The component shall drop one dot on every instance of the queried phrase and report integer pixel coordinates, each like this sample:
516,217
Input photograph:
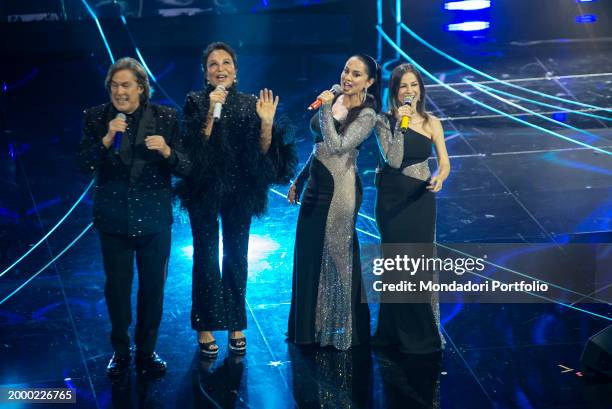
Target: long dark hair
373,99
394,85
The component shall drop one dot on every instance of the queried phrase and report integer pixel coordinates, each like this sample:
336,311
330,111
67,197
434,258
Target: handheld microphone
317,104
118,135
218,105
406,119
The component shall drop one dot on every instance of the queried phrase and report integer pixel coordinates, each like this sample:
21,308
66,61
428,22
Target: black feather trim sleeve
229,167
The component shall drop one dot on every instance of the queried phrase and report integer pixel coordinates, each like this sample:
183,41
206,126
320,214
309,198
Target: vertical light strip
379,21
146,67
144,64
93,15
398,27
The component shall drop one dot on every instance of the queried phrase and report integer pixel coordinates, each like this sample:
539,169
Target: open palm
266,105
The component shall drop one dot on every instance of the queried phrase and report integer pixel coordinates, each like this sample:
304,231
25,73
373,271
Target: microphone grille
121,115
336,89
221,87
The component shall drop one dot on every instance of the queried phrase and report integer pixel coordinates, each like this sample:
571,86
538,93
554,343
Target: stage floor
508,184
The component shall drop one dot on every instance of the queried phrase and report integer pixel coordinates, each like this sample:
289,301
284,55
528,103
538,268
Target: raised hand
266,106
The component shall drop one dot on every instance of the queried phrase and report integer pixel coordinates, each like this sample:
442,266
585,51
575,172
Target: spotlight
560,116
586,19
468,5
469,26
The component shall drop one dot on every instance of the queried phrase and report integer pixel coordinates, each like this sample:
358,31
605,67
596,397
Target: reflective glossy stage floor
508,184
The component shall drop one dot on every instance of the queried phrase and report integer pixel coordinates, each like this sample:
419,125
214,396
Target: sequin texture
229,182
132,194
391,145
338,153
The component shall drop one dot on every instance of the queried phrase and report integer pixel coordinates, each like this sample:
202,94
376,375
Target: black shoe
118,365
238,345
209,349
150,363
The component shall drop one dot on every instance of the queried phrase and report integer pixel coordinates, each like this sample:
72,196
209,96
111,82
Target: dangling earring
365,95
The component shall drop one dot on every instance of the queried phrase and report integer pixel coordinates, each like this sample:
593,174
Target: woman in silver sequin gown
326,304
406,204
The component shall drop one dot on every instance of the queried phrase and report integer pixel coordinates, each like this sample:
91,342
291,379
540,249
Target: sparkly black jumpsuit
230,181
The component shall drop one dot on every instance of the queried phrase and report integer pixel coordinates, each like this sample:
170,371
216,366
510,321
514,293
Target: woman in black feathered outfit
235,160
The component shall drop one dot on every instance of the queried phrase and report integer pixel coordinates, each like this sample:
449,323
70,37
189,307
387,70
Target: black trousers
218,301
152,253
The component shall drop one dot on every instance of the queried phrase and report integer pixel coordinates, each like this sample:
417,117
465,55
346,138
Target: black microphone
317,104
118,135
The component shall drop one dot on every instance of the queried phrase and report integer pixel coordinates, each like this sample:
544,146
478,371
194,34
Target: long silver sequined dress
326,306
405,213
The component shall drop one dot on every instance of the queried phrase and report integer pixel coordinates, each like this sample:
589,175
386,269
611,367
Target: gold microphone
406,119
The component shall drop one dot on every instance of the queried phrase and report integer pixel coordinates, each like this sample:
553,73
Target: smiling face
355,77
220,69
409,86
125,91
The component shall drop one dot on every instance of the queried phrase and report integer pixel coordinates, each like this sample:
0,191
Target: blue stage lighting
469,26
586,18
93,15
585,1
560,116
477,102
468,5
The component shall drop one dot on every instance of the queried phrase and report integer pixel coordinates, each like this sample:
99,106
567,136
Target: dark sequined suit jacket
133,192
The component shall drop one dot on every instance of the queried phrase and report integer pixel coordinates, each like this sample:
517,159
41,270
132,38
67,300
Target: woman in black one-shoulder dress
406,204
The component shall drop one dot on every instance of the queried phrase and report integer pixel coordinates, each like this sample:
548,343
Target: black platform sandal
237,345
209,349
